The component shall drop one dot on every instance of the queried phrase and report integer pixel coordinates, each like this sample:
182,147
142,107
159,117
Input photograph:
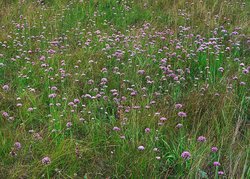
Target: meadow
124,89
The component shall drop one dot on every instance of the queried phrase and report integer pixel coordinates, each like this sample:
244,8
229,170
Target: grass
87,83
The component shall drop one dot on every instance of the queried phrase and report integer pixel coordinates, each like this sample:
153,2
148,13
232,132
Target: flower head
201,139
141,147
46,160
147,130
6,87
216,164
182,114
17,145
185,155
69,124
220,173
214,149
116,128
178,106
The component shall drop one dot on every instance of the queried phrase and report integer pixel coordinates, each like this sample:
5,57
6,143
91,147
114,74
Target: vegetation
124,89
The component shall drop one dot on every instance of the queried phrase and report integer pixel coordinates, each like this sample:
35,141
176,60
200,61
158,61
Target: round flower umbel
220,173
216,164
186,155
178,106
69,124
147,130
182,114
141,147
6,87
201,139
116,128
214,149
46,160
17,145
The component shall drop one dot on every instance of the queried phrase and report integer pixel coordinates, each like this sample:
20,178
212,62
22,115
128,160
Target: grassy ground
124,89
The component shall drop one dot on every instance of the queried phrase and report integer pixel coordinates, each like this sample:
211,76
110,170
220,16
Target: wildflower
30,109
42,58
141,72
214,149
216,164
19,104
46,160
51,51
69,124
178,106
17,145
5,114
6,87
220,173
185,155
53,95
179,126
53,88
116,129
201,139
133,93
76,101
155,150
158,157
182,114
242,83
221,69
245,71
163,119
147,130
141,147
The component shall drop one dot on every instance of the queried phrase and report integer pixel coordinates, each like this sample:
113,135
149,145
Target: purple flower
141,72
18,145
163,119
242,83
179,126
220,173
147,130
116,128
51,51
182,114
30,109
185,155
6,87
221,69
42,58
178,106
76,100
133,93
53,95
5,114
201,139
46,160
19,104
245,71
141,148
216,164
214,149
69,124
53,88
